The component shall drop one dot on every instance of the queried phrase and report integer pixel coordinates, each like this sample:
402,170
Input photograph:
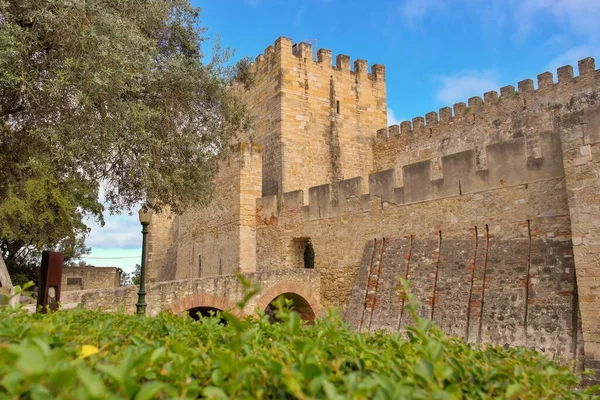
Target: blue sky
436,53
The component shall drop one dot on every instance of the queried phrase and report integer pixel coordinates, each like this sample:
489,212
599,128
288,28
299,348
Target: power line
109,258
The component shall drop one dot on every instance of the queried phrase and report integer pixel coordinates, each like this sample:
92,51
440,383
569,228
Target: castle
491,208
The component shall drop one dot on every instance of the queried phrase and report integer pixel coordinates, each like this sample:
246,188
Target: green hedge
169,356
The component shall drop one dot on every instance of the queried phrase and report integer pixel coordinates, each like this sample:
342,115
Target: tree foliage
111,94
131,278
136,276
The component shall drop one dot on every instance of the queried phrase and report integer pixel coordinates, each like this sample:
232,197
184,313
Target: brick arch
291,287
204,300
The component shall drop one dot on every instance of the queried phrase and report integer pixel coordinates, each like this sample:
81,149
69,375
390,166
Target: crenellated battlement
508,165
508,100
284,47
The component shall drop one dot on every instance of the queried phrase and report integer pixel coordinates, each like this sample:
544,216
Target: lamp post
145,215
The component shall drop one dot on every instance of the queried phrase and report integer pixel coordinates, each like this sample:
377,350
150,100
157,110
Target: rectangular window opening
337,106
74,281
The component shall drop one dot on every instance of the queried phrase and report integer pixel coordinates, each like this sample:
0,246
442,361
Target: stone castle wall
160,251
526,112
77,278
215,239
263,99
491,209
580,135
446,260
475,208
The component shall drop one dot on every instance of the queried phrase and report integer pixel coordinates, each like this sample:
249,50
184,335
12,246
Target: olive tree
111,94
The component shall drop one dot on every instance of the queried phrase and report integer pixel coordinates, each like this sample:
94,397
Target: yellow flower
88,350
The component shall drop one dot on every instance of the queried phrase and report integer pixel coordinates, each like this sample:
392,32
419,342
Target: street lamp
145,215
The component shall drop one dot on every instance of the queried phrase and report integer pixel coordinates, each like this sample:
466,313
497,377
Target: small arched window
309,255
302,253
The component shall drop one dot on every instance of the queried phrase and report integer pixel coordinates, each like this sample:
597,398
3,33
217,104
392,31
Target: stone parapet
284,46
510,99
507,165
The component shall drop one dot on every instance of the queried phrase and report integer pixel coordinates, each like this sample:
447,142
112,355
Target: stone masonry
215,240
220,292
78,278
491,209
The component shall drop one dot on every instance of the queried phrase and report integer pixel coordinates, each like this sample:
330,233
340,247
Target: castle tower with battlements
315,120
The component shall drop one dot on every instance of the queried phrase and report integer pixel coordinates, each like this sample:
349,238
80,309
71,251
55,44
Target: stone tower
315,120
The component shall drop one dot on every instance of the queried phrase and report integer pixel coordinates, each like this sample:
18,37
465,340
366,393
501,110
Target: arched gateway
203,303
303,299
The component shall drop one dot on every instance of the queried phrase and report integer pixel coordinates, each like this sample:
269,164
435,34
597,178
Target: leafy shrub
82,354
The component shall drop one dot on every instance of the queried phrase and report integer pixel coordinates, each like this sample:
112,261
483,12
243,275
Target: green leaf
12,381
512,390
436,350
149,390
91,382
31,360
217,376
294,322
212,392
331,392
234,321
311,371
127,363
424,369
157,354
112,371
40,393
248,335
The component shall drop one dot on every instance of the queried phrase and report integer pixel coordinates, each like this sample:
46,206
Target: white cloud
572,56
391,118
117,244
574,16
119,232
579,16
415,10
465,84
